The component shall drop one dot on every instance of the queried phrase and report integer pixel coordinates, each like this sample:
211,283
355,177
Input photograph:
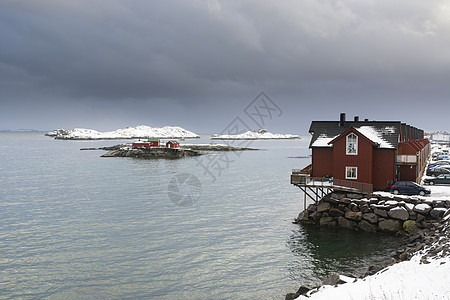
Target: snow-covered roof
384,134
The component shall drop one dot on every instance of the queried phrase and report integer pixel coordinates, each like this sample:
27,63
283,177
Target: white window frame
347,169
348,143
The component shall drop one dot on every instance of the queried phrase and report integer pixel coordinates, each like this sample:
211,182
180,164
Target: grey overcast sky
108,64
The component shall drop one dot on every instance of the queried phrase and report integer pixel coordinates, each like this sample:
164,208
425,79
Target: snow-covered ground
141,131
260,134
405,280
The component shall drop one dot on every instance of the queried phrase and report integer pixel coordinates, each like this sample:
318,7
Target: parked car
437,171
409,188
441,179
439,163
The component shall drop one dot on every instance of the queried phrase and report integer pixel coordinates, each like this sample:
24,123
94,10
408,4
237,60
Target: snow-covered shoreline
260,134
141,131
424,276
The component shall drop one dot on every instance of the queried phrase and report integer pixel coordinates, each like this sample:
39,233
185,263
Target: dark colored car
409,188
437,171
441,179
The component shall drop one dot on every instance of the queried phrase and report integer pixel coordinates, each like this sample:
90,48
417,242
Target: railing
360,186
304,179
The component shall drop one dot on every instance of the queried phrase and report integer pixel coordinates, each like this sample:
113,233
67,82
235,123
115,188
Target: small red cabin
172,144
150,143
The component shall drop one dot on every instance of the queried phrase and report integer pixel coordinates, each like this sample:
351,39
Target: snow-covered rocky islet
141,131
260,134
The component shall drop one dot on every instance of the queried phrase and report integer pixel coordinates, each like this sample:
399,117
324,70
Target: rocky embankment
423,224
374,212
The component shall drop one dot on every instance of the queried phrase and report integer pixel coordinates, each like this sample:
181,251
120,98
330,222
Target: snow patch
260,134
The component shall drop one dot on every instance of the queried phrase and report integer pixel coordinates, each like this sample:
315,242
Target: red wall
383,168
363,160
322,161
407,172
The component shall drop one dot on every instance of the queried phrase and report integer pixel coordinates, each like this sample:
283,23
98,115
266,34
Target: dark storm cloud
198,53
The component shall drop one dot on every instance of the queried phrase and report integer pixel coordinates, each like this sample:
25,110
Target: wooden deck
317,187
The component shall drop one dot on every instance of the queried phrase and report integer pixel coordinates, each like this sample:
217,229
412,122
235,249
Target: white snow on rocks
405,280
261,134
141,131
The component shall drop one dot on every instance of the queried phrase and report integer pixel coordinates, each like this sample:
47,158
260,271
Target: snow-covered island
261,134
141,131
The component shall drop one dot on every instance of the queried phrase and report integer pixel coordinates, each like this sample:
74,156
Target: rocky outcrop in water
152,153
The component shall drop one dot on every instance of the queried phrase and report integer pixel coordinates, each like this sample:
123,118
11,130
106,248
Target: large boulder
390,225
353,215
422,208
344,223
323,206
438,212
366,226
409,226
335,212
311,208
327,221
303,216
380,212
399,213
333,279
371,217
365,208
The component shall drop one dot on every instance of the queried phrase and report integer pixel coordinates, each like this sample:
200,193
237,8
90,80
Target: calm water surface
77,226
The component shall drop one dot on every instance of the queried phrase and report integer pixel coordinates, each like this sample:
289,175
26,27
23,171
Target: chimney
342,120
356,118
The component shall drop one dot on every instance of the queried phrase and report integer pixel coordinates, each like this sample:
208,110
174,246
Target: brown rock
327,221
335,212
367,227
399,213
380,212
344,223
323,206
353,215
371,217
390,225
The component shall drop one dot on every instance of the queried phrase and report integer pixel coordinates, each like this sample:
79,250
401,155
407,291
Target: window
351,173
352,144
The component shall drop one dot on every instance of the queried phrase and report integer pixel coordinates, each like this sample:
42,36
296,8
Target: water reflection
330,250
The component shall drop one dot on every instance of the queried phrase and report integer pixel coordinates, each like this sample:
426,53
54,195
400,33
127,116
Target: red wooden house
172,144
150,143
371,152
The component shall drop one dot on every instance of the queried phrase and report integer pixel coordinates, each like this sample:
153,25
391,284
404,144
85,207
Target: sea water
74,225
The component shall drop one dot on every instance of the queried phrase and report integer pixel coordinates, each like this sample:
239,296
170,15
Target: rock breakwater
375,212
